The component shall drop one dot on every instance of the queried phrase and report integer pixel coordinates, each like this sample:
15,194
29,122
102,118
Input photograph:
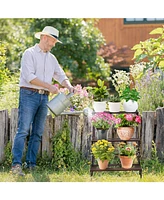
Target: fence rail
152,129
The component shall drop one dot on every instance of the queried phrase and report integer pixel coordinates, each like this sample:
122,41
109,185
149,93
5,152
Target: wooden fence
152,129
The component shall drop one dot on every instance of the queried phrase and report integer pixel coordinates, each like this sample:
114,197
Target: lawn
46,184
83,176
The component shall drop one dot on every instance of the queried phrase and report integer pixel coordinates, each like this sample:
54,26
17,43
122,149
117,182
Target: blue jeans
31,119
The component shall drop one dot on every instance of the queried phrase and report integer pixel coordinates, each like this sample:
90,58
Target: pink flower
128,149
117,120
129,117
138,119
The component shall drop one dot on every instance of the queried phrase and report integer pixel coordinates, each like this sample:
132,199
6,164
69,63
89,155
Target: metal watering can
59,103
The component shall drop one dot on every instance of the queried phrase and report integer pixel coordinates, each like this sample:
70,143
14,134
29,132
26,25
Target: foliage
78,52
151,50
9,93
113,55
137,70
120,79
100,93
151,89
130,94
154,164
17,33
7,155
81,40
114,97
125,120
4,72
125,149
102,120
103,150
64,154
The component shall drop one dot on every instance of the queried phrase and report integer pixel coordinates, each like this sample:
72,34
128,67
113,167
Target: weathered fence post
13,123
86,137
160,133
148,119
4,119
47,136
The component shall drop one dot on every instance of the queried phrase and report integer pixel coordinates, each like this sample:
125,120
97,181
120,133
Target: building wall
114,30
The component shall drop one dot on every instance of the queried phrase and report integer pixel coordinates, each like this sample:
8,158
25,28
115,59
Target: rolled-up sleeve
27,66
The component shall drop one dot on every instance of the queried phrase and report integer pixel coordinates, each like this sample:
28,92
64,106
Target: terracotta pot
101,134
103,165
126,162
125,133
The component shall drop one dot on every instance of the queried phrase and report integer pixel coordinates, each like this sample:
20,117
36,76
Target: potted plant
125,124
79,100
100,95
120,79
127,154
114,102
103,151
130,97
102,122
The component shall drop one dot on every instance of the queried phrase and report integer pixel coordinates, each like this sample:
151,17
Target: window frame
145,21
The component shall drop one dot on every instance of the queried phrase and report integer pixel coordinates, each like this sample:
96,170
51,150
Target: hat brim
38,34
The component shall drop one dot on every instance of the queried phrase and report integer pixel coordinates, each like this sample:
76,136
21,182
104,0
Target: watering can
59,103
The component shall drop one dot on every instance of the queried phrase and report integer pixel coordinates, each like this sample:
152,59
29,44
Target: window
143,20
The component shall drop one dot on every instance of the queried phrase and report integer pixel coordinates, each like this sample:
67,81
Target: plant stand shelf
117,167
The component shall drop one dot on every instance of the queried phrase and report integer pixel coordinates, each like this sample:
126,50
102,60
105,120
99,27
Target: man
38,67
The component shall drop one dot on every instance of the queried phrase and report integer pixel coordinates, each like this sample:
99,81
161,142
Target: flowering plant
80,99
103,150
102,120
120,79
125,120
127,149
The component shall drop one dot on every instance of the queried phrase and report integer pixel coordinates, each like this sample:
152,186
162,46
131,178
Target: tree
78,53
81,41
151,50
16,33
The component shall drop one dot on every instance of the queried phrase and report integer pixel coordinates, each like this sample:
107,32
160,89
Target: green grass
83,176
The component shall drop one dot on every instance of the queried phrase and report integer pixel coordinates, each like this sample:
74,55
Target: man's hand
68,85
71,89
53,89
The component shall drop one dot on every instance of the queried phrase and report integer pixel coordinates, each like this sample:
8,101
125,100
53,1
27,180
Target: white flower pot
130,106
99,106
114,106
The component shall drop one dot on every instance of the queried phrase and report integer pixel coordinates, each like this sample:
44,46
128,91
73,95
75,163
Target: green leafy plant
64,154
125,149
130,94
100,93
103,150
114,98
152,50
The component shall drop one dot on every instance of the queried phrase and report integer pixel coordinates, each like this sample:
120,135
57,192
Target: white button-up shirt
37,64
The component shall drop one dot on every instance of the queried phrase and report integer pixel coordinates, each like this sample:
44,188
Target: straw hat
49,30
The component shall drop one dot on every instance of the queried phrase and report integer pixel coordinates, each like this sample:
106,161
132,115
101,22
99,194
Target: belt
40,91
